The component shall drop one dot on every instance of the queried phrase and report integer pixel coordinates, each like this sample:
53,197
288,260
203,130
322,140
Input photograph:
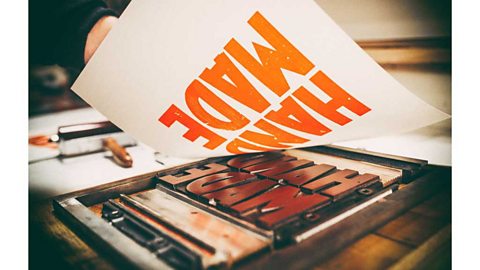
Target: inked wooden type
269,188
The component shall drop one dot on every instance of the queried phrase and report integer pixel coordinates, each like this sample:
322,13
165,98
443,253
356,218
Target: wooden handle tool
120,154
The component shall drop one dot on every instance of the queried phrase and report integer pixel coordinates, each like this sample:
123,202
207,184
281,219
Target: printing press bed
397,215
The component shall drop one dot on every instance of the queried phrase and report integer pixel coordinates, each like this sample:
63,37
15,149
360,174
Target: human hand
97,34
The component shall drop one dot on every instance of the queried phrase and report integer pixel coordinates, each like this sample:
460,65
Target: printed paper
212,78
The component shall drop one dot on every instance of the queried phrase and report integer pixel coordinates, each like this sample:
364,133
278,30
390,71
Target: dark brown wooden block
439,206
370,252
264,166
192,174
279,204
340,183
219,181
412,228
243,161
284,167
304,175
235,194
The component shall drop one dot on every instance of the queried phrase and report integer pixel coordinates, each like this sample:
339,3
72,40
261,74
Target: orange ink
235,145
267,67
196,91
283,56
195,129
292,115
339,98
275,136
241,90
43,141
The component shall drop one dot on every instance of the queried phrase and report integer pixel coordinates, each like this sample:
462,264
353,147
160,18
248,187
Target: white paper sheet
211,78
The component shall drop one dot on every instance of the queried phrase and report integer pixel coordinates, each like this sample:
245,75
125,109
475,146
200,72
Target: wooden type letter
219,181
192,174
340,183
283,167
279,204
304,175
243,161
235,194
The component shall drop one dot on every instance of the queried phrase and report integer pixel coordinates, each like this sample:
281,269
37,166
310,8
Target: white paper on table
163,53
